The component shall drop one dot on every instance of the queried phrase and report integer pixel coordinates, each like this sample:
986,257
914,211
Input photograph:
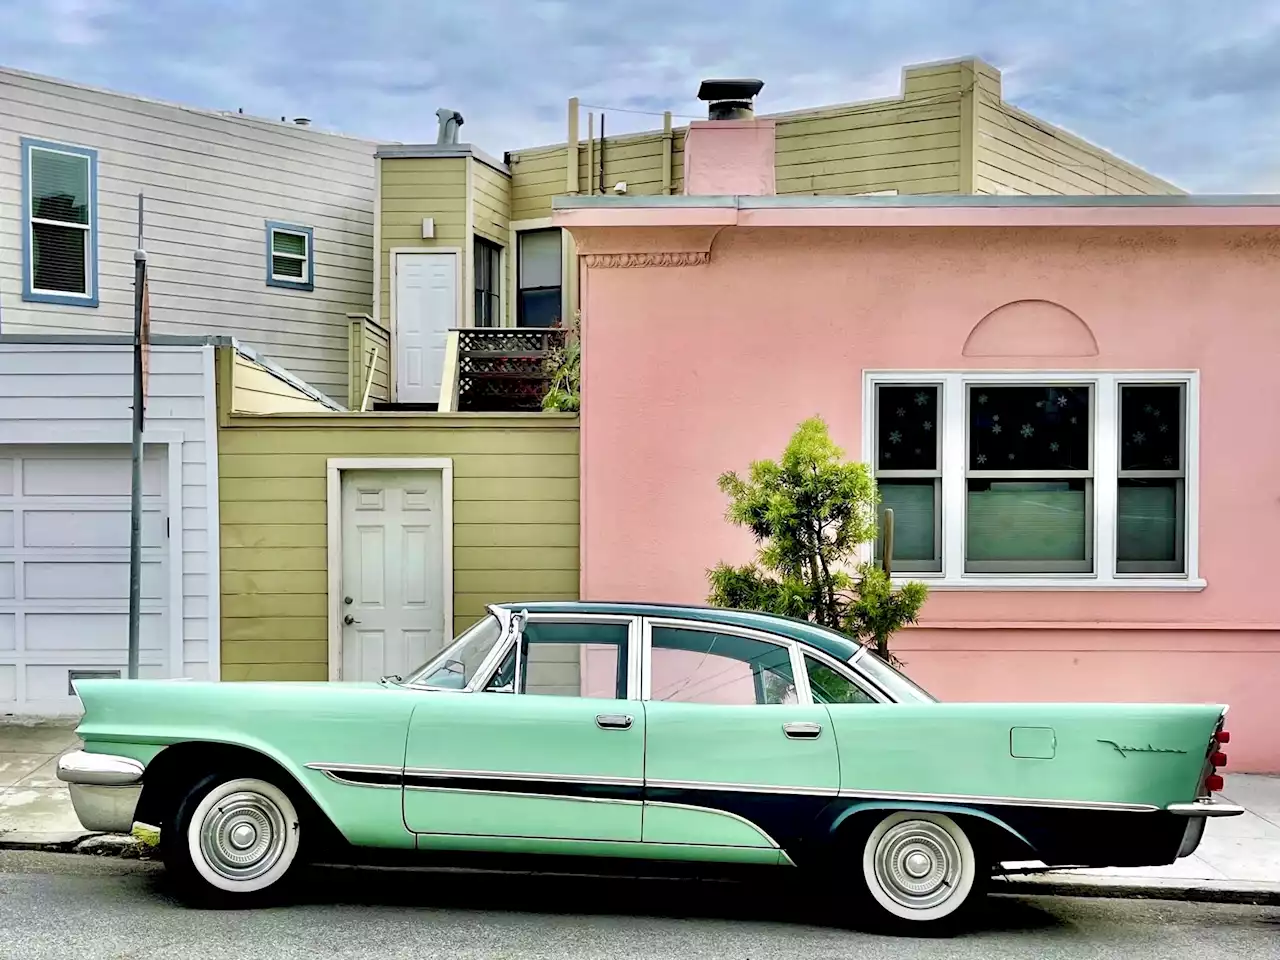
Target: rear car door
736,752
552,748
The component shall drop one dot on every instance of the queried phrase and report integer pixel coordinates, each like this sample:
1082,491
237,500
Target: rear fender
950,809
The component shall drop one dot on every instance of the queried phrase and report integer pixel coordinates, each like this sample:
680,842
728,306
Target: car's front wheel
232,841
920,869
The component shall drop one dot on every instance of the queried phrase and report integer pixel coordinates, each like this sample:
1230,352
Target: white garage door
64,571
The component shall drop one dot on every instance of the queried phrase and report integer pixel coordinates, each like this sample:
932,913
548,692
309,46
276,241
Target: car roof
827,641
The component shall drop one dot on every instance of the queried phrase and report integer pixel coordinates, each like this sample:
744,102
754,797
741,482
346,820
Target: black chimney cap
729,89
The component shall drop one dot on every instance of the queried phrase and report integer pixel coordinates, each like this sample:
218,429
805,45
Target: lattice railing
505,368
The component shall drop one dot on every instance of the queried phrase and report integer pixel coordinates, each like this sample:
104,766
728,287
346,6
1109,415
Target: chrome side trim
1205,808
354,768
439,774
1105,805
724,813
743,788
98,769
515,793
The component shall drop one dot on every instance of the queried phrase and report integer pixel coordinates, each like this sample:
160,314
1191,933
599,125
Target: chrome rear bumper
104,789
1205,808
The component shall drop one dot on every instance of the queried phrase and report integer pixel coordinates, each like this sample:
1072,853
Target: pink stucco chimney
731,153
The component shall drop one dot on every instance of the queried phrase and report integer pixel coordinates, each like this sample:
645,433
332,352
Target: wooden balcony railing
503,369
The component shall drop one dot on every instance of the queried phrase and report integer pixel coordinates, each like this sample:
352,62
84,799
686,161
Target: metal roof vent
729,99
450,121
302,121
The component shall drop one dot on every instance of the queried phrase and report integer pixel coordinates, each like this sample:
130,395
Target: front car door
737,753
551,747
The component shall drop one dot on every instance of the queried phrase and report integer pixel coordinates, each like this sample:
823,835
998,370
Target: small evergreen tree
809,513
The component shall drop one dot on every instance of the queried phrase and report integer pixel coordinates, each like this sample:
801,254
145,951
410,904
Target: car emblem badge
1124,751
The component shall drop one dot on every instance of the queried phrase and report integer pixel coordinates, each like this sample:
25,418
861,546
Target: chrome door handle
613,721
349,620
802,730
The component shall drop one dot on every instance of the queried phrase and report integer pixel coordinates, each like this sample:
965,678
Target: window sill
291,285
1051,584
62,299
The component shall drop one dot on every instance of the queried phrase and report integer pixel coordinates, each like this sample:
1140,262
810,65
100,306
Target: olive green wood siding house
512,532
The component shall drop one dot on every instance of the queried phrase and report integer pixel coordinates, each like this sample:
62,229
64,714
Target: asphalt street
65,906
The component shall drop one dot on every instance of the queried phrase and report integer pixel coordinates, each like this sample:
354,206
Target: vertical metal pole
135,504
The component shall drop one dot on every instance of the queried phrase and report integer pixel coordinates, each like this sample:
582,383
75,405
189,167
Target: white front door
393,601
426,309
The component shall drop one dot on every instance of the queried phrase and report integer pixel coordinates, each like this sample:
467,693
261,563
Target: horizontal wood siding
1020,154
211,183
515,522
366,335
538,175
909,144
413,188
491,210
255,389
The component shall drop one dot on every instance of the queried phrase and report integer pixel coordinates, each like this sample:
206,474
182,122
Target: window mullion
1106,463
954,443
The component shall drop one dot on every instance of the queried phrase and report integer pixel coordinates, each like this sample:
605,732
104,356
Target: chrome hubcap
917,864
243,836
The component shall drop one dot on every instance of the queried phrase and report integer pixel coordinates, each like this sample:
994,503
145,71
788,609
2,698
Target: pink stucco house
1072,404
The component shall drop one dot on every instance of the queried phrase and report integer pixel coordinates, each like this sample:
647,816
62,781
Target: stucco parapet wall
648,220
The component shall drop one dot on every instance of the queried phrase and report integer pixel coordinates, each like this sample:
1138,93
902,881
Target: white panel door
64,571
392,571
426,309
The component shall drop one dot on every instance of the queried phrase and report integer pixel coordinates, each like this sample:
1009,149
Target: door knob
349,620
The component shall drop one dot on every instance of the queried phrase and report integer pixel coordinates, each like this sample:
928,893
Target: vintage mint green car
625,731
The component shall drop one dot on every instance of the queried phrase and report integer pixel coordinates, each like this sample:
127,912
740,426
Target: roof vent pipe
730,99
450,121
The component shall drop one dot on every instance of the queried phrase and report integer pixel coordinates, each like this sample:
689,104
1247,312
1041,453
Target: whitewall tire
919,867
241,838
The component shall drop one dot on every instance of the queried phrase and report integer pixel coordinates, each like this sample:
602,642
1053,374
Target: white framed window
1038,479
290,256
59,238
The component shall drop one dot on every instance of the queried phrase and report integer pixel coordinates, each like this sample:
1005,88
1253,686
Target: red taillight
1218,759
1213,783
1224,737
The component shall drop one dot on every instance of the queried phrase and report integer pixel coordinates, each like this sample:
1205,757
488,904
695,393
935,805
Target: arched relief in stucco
1031,328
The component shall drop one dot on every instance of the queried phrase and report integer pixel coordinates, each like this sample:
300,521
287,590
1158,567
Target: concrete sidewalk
1238,859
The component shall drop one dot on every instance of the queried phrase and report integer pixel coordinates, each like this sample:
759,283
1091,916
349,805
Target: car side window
702,666
562,658
827,686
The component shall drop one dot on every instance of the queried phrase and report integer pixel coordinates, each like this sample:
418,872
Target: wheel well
177,768
992,840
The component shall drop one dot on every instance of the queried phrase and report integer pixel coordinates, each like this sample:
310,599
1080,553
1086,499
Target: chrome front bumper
104,789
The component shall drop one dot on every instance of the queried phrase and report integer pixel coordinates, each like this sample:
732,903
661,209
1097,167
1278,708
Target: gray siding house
257,229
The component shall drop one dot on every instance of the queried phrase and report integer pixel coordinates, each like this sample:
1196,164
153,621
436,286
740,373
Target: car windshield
898,685
455,666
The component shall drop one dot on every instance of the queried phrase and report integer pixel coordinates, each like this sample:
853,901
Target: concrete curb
1256,893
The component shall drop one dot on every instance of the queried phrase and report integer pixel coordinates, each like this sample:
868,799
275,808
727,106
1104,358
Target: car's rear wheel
920,869
232,841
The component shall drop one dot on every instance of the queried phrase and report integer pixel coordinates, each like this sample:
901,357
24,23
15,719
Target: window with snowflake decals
1029,481
1151,491
909,472
1007,477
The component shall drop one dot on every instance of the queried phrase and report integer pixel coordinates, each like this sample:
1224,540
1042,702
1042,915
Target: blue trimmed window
290,256
60,223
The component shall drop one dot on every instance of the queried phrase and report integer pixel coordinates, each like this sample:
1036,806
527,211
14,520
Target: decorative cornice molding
692,258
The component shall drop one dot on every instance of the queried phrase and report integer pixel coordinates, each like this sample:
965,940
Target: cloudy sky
1189,89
